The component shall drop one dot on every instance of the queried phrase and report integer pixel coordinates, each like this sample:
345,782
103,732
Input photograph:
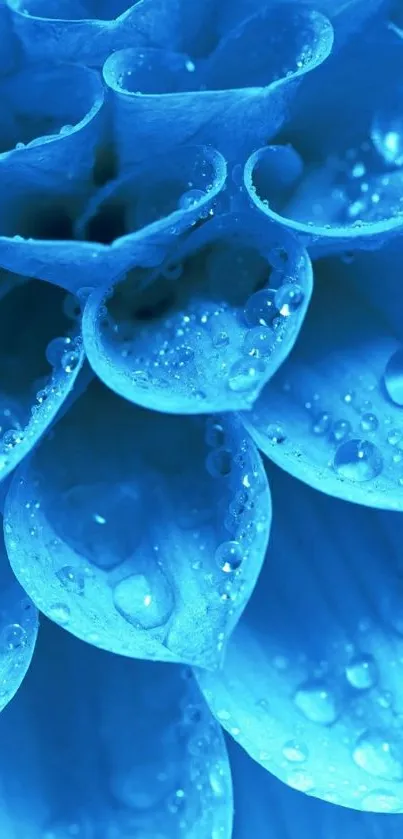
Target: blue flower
201,447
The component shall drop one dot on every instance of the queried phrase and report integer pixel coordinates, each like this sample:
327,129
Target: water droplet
369,422
387,135
275,433
69,361
245,375
59,612
261,309
12,438
191,198
13,637
8,421
215,434
288,298
220,339
362,672
258,341
321,423
393,378
358,461
229,556
146,603
71,579
56,349
377,755
316,702
295,752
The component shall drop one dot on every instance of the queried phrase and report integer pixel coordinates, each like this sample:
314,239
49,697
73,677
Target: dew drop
321,424
261,309
13,637
316,702
295,752
56,349
215,434
381,801
59,612
369,422
219,463
71,579
258,341
358,461
375,753
300,781
288,299
229,556
245,375
69,361
275,433
191,198
143,602
393,378
362,672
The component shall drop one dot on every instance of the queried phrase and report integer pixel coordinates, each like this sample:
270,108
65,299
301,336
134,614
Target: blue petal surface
140,533
333,415
41,356
18,631
83,243
9,51
316,660
87,31
98,746
271,810
163,99
205,331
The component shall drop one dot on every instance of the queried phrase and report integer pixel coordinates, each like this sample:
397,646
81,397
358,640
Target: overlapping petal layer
204,331
140,533
311,683
333,415
92,747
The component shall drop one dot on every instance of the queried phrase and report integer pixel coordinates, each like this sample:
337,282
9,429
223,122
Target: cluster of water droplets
193,335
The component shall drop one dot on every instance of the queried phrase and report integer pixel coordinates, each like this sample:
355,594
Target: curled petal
266,807
217,100
312,681
140,533
49,128
95,745
40,358
333,415
207,329
87,31
133,219
18,631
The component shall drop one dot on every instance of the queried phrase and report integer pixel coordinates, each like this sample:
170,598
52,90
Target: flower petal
348,192
18,631
87,31
317,657
207,329
95,745
332,416
232,105
133,219
137,534
267,808
8,42
41,356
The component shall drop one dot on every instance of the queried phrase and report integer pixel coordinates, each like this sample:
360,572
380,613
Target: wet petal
87,31
311,684
9,51
140,533
207,329
348,193
40,358
18,631
132,219
265,807
50,125
218,100
95,745
333,415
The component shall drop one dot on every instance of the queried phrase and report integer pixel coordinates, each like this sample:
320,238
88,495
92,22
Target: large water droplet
71,579
358,461
393,378
229,556
261,309
381,801
295,752
13,637
146,603
362,672
379,756
316,702
288,298
259,341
